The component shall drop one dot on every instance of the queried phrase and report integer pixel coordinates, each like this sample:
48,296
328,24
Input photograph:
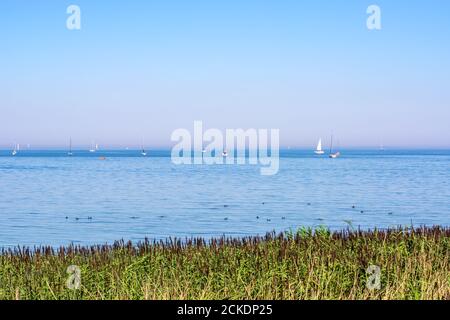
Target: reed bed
308,264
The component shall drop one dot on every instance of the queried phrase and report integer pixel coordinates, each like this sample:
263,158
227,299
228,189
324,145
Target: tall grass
414,264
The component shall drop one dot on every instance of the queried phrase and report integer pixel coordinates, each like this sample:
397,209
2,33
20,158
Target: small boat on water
70,153
224,153
333,155
143,152
15,150
319,150
93,148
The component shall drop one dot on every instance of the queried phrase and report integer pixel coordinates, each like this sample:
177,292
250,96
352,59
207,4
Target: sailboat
319,148
16,149
143,152
224,153
335,154
70,153
93,149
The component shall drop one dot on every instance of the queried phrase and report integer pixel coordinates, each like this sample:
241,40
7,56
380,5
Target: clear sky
145,68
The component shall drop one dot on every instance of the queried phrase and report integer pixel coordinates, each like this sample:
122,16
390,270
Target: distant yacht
16,149
319,148
224,153
70,153
93,148
143,152
335,154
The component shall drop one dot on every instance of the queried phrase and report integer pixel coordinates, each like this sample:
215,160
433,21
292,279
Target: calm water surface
49,198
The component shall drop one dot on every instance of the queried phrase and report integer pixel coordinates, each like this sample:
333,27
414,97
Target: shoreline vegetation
414,263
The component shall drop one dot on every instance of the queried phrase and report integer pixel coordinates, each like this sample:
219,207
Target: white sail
319,148
319,145
70,153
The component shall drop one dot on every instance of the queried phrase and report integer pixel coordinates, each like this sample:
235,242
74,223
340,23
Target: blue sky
145,68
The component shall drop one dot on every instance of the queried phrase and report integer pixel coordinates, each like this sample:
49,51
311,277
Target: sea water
49,198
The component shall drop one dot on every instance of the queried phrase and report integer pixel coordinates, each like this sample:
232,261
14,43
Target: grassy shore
414,264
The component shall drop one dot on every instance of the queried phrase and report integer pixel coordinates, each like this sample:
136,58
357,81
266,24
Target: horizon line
164,148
